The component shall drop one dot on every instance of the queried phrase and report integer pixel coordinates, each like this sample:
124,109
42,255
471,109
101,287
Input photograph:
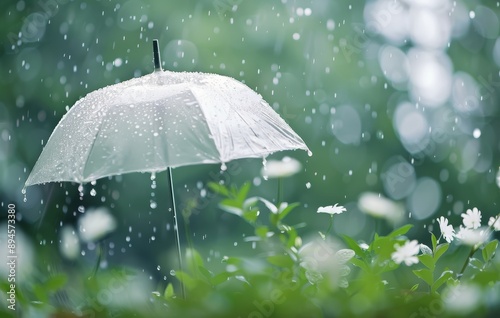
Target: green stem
472,251
329,226
100,254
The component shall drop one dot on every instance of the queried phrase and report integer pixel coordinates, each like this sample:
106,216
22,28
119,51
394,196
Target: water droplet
93,182
498,177
172,272
223,167
153,176
81,209
153,204
476,133
309,153
158,267
93,192
308,185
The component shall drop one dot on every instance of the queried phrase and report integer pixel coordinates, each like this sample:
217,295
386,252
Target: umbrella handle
156,56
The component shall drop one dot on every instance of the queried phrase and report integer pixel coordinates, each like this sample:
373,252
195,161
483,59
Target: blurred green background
393,97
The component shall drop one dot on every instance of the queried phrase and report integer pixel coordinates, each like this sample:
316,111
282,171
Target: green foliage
287,276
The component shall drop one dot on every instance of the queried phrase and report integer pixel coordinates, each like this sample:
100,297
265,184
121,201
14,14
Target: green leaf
475,263
231,206
352,244
55,282
169,291
385,267
425,275
251,215
383,246
269,205
231,260
280,260
440,250
186,279
242,194
206,274
284,212
441,280
434,242
428,261
262,231
218,188
487,277
359,263
489,250
194,259
401,231
220,278
40,293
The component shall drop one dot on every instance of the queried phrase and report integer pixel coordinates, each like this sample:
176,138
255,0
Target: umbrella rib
93,142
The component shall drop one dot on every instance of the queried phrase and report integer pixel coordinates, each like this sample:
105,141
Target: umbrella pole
176,226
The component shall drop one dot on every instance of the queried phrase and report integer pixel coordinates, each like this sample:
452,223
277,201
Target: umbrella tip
156,56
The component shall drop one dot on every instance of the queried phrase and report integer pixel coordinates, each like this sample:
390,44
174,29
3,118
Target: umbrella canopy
164,119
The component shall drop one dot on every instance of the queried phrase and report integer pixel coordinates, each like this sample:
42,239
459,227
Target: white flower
495,226
471,236
447,230
281,168
331,209
69,245
380,207
96,224
406,253
472,218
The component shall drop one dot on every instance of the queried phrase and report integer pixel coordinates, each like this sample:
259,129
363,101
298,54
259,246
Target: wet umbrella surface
164,119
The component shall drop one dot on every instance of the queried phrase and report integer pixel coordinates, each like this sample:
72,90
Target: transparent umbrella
160,121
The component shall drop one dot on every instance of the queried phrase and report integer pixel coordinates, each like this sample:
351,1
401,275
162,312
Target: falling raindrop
153,204
23,191
80,191
93,192
172,272
81,209
308,185
223,167
498,177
